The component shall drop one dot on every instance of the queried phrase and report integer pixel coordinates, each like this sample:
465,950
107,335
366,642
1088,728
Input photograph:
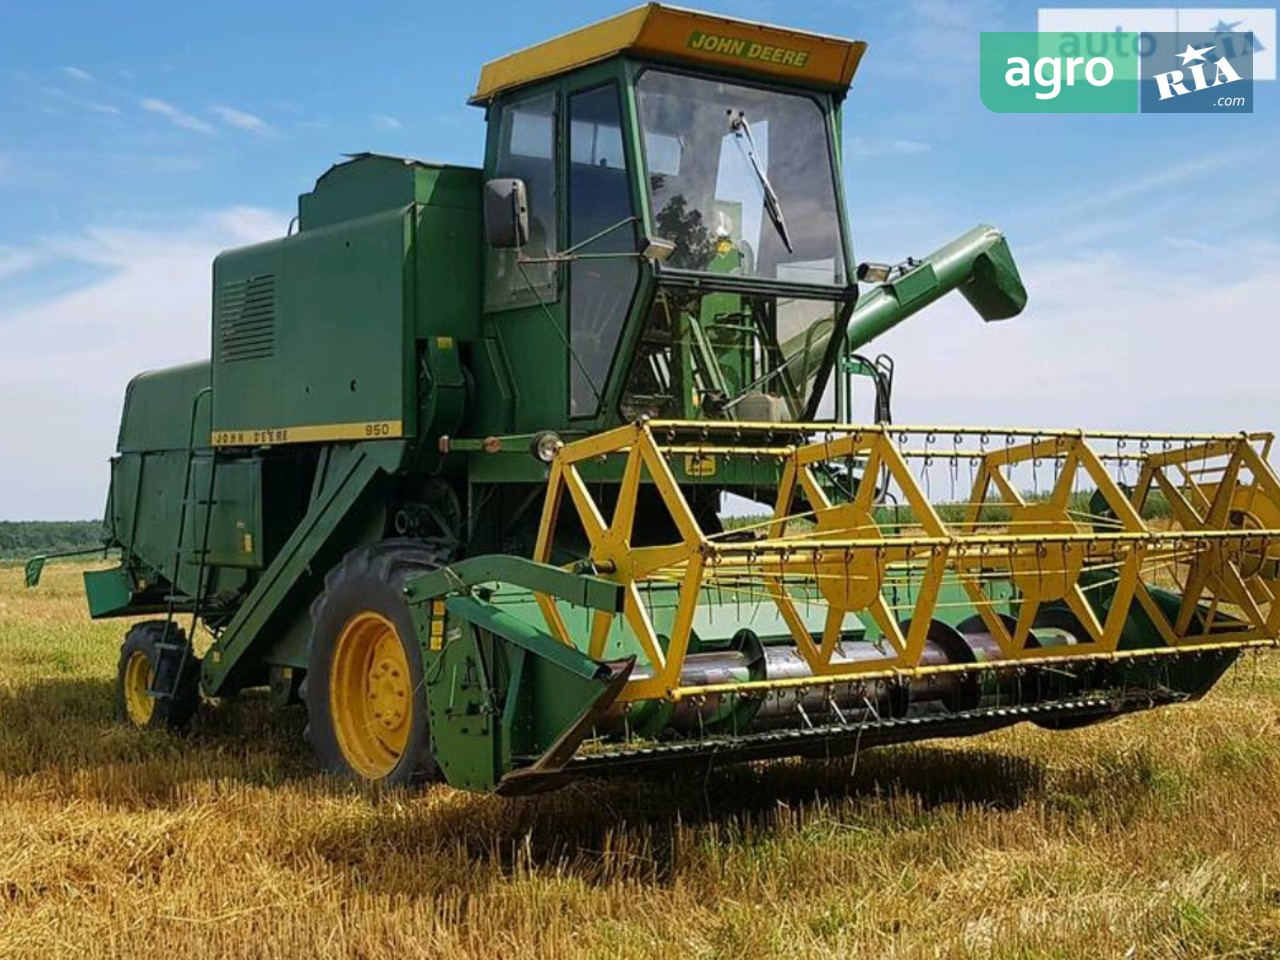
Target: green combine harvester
456,475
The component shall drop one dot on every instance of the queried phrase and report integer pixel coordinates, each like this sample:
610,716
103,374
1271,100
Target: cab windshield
740,179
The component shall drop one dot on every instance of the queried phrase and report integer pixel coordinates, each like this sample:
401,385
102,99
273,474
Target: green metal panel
235,527
533,342
146,505
373,183
335,352
493,410
350,191
158,407
500,690
108,592
466,735
314,334
447,253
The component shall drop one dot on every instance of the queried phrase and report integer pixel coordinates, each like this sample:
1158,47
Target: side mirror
506,213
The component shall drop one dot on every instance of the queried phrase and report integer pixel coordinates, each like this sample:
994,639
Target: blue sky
138,138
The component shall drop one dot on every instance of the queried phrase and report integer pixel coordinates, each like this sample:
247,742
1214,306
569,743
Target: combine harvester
454,475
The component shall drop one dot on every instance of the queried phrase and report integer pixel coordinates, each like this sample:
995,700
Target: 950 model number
308,433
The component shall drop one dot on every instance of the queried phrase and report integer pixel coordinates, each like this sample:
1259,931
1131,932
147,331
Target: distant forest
20,539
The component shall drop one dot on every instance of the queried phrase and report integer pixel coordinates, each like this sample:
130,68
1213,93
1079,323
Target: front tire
365,693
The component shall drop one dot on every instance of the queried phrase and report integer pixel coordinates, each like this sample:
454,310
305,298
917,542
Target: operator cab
665,224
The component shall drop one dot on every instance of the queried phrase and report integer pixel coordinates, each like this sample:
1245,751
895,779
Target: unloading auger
518,473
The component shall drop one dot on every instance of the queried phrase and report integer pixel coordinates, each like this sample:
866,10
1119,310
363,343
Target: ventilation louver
247,313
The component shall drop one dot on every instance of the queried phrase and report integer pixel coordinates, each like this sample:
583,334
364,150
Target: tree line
20,539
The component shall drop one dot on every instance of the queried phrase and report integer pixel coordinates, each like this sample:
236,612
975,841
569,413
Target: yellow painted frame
672,33
838,552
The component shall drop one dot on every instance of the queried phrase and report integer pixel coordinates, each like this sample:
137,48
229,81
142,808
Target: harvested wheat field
1153,836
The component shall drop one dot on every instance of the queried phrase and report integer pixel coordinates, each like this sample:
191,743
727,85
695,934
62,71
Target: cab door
604,271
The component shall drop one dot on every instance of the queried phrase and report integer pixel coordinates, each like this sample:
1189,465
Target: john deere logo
747,49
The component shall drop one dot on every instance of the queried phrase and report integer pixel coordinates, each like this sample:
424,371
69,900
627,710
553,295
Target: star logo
1192,53
1222,28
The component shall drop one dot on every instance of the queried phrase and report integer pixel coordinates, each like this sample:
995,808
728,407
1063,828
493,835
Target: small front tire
143,653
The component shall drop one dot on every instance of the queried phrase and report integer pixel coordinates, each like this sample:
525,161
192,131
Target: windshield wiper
772,205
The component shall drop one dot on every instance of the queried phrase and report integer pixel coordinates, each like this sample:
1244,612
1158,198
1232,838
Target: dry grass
1154,836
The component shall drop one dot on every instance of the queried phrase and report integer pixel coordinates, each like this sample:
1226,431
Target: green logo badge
1060,72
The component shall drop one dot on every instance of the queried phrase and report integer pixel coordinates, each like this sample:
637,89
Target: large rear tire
365,694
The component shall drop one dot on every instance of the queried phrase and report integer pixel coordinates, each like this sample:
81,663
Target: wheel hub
369,695
388,693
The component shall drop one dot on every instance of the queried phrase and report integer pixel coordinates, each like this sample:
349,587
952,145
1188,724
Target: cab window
600,287
526,149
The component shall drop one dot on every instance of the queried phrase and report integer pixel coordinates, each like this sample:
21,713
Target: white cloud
75,73
179,118
1189,243
241,120
67,359
384,121
84,103
14,261
1139,201
881,146
1153,180
144,162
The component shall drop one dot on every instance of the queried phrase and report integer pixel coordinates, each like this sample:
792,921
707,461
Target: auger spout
979,264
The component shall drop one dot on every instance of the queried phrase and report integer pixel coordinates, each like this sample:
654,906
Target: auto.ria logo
1171,83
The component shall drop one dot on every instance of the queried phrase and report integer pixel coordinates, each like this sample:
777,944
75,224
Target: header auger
461,473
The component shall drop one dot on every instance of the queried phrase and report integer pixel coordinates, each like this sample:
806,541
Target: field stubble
1153,836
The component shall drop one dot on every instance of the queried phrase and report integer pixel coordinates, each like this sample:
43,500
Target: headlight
546,445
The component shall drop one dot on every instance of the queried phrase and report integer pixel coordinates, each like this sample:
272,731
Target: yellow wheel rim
138,703
370,695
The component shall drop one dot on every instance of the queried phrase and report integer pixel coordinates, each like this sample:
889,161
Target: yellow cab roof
674,33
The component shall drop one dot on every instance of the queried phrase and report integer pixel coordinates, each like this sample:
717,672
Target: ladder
170,646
